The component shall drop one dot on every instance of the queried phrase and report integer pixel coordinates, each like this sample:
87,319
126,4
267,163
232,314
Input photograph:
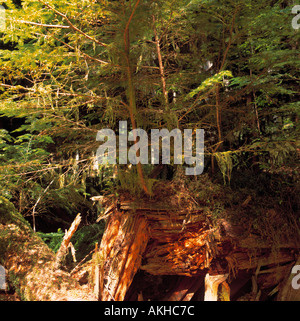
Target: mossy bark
30,262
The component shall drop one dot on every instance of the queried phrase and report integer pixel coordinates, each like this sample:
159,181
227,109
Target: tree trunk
131,96
31,264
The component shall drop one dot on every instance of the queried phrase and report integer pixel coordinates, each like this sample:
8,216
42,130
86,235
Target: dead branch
66,241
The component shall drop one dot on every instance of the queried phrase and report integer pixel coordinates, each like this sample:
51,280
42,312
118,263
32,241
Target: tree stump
161,240
121,251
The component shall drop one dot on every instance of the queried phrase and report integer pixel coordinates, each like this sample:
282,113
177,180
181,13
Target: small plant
53,240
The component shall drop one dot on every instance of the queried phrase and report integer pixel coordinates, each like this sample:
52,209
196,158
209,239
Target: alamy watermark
2,18
147,151
296,278
2,278
296,19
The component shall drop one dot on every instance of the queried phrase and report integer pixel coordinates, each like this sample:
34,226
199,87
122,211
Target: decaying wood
63,249
243,259
212,283
121,248
185,289
176,241
186,255
31,264
97,272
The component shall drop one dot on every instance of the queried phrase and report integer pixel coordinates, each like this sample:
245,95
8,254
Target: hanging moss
225,163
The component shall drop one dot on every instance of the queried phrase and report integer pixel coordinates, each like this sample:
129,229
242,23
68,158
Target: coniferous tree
67,71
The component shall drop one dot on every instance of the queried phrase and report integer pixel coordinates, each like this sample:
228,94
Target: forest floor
9,296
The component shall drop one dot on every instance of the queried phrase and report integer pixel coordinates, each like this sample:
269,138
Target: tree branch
72,25
230,38
126,31
161,66
42,24
66,241
81,52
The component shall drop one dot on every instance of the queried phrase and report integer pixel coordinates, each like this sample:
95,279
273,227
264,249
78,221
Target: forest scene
210,212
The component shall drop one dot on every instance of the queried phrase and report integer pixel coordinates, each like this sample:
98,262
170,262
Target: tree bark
121,250
172,242
31,263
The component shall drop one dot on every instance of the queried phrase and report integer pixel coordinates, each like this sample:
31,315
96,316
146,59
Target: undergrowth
83,240
262,204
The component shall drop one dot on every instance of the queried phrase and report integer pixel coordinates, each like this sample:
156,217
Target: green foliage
129,182
85,238
7,211
231,68
53,239
209,195
210,82
9,214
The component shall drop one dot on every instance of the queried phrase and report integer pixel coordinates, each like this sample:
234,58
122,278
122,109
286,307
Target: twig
35,205
42,24
72,25
109,292
161,66
230,38
18,87
81,52
76,268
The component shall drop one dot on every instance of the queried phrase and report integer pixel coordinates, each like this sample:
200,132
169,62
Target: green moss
9,214
7,210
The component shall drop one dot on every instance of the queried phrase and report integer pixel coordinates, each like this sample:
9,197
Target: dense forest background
68,70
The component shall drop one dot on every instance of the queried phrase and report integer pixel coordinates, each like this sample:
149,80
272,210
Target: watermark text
187,147
296,19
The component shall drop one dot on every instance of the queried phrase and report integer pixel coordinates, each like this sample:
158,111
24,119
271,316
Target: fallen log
31,263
